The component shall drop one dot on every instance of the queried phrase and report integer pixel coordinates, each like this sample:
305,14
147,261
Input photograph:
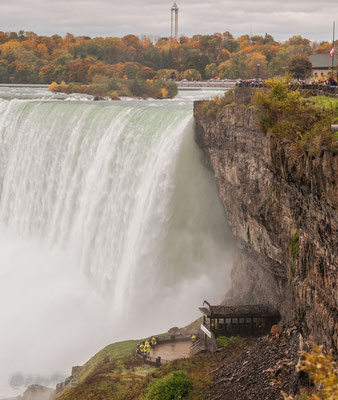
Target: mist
110,229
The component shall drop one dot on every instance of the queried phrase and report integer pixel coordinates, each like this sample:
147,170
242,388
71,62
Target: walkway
171,351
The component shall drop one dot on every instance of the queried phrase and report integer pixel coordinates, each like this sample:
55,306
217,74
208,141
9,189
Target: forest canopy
26,57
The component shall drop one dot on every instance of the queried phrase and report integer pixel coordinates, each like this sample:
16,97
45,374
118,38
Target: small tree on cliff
323,371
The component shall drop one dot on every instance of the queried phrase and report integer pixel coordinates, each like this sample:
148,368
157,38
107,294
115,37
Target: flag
332,52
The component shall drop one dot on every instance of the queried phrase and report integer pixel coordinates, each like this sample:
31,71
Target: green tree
192,75
211,70
300,67
235,68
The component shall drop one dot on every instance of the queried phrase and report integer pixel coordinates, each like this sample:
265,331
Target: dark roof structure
242,311
322,61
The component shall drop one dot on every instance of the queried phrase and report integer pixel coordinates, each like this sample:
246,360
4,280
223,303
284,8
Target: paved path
171,351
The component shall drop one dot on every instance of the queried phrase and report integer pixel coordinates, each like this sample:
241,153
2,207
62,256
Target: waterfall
110,227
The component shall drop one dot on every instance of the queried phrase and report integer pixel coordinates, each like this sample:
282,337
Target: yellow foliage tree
164,93
324,373
53,86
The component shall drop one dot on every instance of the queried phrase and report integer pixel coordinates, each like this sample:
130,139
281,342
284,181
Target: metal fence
315,89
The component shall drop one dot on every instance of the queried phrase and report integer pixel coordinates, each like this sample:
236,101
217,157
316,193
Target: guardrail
210,339
157,361
316,89
205,84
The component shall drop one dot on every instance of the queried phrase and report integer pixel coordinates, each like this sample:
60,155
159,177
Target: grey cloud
310,18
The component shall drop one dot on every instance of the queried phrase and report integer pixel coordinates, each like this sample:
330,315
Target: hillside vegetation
287,114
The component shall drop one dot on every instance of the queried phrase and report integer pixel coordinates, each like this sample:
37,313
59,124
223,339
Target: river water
110,227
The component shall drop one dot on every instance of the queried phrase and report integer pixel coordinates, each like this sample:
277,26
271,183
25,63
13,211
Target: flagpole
333,64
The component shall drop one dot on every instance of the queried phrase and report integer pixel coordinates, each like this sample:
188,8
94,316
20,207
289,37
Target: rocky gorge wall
282,207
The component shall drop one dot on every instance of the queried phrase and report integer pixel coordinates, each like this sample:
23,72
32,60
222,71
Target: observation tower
174,21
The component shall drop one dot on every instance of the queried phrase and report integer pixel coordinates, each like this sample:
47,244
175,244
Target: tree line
26,57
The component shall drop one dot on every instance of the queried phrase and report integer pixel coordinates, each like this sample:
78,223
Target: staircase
197,348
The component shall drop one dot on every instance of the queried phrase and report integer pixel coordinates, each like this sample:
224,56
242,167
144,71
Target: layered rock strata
282,207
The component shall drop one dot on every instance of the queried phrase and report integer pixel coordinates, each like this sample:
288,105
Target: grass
197,368
115,374
109,374
324,102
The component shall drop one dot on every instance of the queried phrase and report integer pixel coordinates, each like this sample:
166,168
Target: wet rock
258,374
276,330
274,194
37,392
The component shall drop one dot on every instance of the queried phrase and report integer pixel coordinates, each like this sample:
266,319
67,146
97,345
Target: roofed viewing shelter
247,320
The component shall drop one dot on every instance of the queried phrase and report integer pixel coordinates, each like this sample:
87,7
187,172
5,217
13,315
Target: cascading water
110,228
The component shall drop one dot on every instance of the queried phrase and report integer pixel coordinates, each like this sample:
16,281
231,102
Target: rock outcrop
282,207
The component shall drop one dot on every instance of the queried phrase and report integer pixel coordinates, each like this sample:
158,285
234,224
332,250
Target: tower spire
174,21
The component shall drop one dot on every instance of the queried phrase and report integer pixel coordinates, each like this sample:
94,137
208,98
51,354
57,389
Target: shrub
174,386
212,109
53,86
114,96
223,341
116,87
284,113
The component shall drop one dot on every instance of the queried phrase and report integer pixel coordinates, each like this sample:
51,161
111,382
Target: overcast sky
281,18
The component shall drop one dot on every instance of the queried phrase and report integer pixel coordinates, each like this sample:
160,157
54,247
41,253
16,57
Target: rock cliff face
282,207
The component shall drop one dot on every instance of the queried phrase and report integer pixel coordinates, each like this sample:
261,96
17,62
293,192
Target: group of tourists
147,345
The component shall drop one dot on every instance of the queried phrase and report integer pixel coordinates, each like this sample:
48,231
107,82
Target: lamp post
258,66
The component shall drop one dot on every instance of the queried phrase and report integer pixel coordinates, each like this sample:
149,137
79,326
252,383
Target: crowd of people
261,83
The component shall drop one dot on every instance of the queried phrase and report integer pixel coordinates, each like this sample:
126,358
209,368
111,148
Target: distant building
321,64
174,21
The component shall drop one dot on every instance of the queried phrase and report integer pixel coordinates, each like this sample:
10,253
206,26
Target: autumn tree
235,68
211,70
257,65
300,67
192,75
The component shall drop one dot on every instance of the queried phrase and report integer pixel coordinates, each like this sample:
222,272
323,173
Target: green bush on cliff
211,109
284,113
174,386
223,341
